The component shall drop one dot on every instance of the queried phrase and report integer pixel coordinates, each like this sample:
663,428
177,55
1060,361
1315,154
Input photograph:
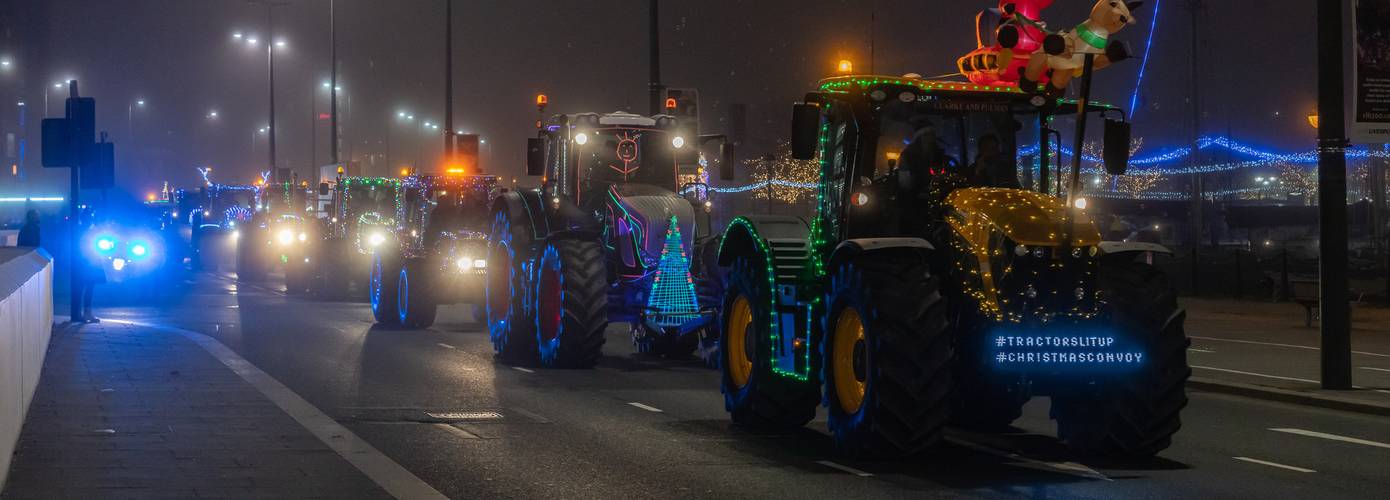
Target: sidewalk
131,412
1263,349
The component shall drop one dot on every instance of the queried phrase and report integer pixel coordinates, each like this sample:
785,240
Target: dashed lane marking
645,407
520,369
1333,437
446,346
1374,369
1292,346
456,431
391,476
844,468
1069,468
1272,464
1194,349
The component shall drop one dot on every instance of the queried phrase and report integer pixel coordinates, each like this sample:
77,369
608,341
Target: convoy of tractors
925,290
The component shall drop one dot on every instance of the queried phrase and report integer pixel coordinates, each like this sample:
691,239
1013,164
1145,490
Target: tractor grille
790,255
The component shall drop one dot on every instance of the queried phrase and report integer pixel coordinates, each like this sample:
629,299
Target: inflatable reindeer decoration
1064,53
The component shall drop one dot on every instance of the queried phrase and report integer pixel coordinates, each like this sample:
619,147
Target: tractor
923,293
607,237
438,254
361,218
215,218
280,234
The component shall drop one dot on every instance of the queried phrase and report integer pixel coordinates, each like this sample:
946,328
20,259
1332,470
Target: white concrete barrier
26,323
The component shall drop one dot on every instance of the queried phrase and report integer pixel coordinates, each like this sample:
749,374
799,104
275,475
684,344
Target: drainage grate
464,415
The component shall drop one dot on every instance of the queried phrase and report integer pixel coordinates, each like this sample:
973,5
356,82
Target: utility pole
333,79
1332,200
270,42
448,83
654,47
1195,211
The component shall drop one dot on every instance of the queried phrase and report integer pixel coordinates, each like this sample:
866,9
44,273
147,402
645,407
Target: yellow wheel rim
849,351
738,359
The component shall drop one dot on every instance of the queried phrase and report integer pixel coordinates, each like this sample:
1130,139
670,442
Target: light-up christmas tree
672,297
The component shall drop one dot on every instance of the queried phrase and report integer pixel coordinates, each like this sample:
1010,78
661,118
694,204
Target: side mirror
1117,143
805,130
726,162
323,189
535,156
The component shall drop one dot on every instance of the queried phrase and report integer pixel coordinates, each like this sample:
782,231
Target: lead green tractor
924,292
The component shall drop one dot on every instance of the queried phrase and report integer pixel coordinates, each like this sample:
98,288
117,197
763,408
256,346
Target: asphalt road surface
436,402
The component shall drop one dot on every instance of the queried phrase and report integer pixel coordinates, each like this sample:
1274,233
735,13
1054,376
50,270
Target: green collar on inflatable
1090,37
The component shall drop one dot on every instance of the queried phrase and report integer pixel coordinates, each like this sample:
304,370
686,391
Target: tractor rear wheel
250,268
887,357
416,305
331,276
571,304
382,287
754,394
1136,414
510,327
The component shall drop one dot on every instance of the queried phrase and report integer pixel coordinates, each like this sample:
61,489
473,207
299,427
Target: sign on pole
1371,55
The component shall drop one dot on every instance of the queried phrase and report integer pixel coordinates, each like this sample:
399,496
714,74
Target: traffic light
684,104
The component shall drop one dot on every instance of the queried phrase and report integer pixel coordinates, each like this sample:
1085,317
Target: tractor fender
748,235
522,208
849,249
1113,248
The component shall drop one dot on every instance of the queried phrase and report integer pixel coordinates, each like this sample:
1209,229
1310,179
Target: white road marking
446,346
843,468
1333,437
396,480
1194,349
645,407
1272,464
456,431
1374,369
1292,346
1277,377
1070,468
1253,374
520,369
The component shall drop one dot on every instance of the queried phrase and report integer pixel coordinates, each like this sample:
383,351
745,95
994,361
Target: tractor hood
642,215
1026,217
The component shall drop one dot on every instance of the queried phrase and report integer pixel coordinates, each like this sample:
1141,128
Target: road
437,403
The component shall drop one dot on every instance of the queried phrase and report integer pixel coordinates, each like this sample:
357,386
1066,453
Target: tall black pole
654,47
449,82
1332,200
270,70
74,225
1195,210
333,80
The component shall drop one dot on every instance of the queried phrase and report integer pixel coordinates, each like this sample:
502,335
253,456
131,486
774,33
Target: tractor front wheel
510,327
382,288
571,304
1136,414
887,357
415,302
754,394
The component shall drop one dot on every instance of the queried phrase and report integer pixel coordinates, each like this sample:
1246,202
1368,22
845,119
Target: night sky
180,56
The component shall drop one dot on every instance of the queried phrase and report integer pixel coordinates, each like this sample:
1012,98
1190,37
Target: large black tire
511,326
382,287
1134,415
250,258
754,395
571,304
416,304
887,330
709,288
331,277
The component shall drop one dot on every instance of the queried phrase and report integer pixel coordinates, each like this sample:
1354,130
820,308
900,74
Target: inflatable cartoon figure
1064,53
1017,31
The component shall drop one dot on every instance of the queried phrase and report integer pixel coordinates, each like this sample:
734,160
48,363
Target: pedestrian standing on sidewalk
92,273
29,232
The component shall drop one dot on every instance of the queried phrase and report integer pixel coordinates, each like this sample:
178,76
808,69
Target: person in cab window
991,167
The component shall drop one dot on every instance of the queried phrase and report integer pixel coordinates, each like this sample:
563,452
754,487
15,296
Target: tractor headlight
139,250
285,236
465,264
678,142
479,263
303,237
581,138
236,234
106,244
376,239
1021,250
1080,203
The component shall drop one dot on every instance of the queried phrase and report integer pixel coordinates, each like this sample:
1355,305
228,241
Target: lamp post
271,43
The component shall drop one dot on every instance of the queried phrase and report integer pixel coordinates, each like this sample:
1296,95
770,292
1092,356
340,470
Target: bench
1308,293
